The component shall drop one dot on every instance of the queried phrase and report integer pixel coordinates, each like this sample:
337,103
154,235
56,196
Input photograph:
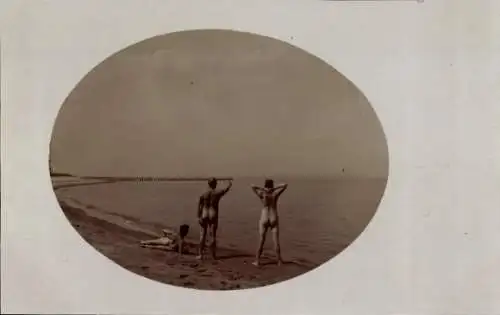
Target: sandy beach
114,216
118,238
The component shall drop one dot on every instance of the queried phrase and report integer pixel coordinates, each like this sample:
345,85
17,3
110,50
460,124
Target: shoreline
118,238
220,178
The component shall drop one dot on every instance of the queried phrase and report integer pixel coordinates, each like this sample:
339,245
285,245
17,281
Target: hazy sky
205,103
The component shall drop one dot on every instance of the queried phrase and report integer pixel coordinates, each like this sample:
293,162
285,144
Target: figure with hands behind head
269,220
208,214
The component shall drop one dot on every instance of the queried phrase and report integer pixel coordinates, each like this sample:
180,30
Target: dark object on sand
183,230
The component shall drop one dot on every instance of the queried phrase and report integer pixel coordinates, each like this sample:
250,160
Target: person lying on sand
208,214
170,241
269,196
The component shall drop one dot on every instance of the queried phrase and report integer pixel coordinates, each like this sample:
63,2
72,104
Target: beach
115,217
233,269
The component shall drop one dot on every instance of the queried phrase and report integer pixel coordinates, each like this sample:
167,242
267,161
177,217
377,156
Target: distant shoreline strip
155,179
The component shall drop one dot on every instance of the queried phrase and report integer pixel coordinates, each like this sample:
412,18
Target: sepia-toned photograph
217,160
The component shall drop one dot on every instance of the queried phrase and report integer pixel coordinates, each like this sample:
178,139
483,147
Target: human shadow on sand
231,256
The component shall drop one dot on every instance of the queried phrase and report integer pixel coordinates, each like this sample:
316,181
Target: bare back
211,199
269,199
208,214
269,216
208,205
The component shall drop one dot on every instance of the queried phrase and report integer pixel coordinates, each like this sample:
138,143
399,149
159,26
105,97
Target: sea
319,217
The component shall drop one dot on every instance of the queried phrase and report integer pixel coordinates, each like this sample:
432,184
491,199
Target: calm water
318,218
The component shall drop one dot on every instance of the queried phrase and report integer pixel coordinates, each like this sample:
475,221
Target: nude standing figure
269,218
208,215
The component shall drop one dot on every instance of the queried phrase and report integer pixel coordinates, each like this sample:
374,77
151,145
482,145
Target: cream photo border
426,68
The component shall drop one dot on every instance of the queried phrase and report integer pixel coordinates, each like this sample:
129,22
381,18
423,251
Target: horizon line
200,178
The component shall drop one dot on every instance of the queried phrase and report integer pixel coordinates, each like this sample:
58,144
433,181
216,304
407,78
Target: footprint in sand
183,276
188,283
235,277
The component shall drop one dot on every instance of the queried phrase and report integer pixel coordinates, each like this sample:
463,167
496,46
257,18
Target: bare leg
213,245
149,242
181,247
276,239
162,241
203,237
262,234
153,246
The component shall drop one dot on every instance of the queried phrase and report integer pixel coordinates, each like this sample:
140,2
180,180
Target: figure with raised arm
208,215
269,220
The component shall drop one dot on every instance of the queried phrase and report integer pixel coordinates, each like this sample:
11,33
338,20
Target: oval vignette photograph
217,160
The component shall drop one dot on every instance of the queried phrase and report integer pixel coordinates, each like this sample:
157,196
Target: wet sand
118,239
